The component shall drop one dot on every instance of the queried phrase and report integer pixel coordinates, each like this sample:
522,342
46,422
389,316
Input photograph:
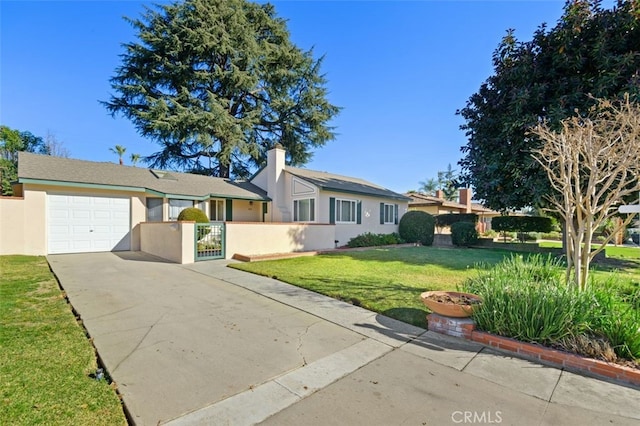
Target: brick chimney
465,198
440,193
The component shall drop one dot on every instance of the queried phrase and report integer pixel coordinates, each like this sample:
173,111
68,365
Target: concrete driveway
206,344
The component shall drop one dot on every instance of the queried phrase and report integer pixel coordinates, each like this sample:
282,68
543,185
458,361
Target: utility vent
161,174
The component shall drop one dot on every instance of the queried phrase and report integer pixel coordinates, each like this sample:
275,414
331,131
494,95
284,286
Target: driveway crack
139,343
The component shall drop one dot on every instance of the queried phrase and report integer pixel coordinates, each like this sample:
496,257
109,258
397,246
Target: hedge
417,227
522,224
449,219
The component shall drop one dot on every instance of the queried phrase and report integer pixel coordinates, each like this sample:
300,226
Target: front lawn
45,357
390,280
385,280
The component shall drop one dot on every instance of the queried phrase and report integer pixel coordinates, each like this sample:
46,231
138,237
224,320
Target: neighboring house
71,206
439,205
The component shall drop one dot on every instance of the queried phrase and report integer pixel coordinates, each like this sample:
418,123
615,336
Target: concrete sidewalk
206,344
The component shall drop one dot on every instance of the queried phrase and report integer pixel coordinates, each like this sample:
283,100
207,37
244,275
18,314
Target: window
216,210
304,210
346,211
176,206
389,213
154,209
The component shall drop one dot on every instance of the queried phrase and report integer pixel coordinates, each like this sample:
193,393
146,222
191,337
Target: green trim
332,210
395,220
81,185
228,204
382,213
359,212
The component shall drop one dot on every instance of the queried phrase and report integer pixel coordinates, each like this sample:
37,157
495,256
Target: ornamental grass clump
527,299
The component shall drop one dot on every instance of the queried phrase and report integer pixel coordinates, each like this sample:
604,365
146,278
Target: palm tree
119,150
135,158
429,186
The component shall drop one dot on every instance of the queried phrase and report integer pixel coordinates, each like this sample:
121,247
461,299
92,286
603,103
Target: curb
465,328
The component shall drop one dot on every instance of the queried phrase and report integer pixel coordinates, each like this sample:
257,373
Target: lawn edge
465,328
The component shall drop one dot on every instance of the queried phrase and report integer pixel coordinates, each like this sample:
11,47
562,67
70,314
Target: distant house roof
37,168
422,200
333,182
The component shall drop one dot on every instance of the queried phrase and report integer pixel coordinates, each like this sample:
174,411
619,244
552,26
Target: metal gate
209,241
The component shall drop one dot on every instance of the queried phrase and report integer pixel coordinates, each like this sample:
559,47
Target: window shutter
229,210
359,212
396,214
264,210
381,213
332,210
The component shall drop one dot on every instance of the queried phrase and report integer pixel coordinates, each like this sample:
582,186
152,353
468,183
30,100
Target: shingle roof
339,183
71,171
419,199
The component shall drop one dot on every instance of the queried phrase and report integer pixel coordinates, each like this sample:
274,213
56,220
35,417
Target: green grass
390,280
45,357
619,252
387,280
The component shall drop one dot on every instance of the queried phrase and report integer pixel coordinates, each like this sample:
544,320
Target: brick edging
465,328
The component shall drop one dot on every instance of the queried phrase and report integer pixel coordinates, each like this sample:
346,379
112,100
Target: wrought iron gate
209,241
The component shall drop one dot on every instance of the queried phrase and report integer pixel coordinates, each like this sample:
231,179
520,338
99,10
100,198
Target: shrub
527,299
192,213
553,235
417,227
448,219
464,234
489,234
522,225
369,239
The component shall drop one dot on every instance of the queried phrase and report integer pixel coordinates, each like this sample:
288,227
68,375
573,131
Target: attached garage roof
333,182
46,169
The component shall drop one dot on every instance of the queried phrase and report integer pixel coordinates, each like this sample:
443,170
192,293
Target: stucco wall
23,222
169,240
370,215
12,222
268,238
247,211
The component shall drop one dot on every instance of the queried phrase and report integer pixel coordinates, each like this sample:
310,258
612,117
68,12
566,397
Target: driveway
207,344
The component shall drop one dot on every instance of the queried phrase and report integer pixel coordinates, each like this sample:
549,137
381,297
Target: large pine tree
217,83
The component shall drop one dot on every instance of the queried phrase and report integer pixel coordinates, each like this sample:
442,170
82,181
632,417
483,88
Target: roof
333,182
419,199
46,169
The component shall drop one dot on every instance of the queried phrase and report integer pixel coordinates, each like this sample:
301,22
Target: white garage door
81,223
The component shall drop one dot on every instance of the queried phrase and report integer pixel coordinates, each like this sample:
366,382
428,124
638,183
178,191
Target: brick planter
465,327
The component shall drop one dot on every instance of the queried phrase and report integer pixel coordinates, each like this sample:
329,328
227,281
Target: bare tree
592,164
54,147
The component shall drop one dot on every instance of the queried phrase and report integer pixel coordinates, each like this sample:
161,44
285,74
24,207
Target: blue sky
399,70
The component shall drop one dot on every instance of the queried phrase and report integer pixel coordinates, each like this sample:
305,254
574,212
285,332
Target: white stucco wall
169,240
247,211
269,238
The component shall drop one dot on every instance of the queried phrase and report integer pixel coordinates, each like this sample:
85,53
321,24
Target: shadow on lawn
413,316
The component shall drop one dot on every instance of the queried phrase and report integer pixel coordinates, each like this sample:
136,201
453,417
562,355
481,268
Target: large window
176,206
346,211
154,209
304,210
216,210
389,213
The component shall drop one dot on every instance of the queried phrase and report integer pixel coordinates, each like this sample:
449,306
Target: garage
86,223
